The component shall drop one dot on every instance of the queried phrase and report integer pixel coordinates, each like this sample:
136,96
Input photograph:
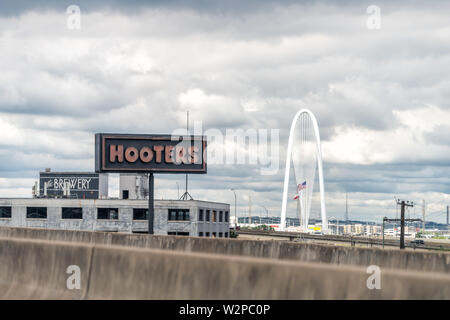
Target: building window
221,216
200,234
125,194
220,235
208,216
227,216
177,233
214,217
214,235
200,215
226,234
140,214
5,212
36,213
72,213
107,214
178,215
206,234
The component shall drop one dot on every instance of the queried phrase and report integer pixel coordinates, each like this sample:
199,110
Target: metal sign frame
133,148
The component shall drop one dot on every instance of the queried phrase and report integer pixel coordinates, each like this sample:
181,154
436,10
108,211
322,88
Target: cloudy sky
381,96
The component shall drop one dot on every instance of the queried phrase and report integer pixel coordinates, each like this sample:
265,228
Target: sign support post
151,202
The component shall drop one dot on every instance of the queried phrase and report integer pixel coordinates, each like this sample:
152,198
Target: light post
235,210
267,213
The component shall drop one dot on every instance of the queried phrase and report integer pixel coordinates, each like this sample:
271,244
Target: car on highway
417,242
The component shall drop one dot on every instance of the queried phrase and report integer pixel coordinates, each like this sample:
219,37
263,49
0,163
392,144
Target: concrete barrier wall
36,269
31,269
395,259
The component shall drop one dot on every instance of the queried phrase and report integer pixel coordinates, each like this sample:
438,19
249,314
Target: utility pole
385,219
403,204
447,215
346,206
423,215
249,209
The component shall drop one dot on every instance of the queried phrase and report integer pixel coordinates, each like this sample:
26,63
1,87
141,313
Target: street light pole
267,213
235,210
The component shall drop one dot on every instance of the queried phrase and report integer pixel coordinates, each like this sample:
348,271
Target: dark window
140,214
221,216
177,233
36,213
200,215
107,214
227,216
72,213
226,234
214,217
200,234
208,215
220,235
5,212
178,215
207,234
125,194
214,234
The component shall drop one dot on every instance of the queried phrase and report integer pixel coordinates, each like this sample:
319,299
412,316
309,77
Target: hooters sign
150,153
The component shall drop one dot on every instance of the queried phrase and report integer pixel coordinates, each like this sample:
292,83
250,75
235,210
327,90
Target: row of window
113,214
200,234
213,216
178,215
75,213
214,234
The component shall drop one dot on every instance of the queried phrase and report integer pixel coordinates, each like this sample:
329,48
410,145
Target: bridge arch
306,159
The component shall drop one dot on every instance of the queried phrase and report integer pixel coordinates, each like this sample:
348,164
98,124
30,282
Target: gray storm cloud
381,97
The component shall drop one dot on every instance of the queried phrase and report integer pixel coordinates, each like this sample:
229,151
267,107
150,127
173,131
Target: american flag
302,186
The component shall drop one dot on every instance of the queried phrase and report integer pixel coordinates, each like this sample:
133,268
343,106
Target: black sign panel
82,185
150,153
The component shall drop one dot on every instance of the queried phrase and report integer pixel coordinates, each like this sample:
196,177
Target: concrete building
172,217
133,186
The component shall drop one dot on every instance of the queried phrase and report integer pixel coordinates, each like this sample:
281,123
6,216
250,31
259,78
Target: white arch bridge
305,151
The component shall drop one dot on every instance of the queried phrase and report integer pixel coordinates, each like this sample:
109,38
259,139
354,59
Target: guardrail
37,269
349,239
429,261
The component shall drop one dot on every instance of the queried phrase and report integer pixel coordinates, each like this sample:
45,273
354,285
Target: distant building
172,217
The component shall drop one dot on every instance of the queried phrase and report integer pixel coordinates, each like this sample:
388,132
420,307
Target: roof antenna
186,195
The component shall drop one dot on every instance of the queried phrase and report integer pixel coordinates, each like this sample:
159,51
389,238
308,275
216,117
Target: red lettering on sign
146,154
169,150
158,150
116,152
131,154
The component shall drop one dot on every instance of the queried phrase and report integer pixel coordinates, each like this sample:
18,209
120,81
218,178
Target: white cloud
405,143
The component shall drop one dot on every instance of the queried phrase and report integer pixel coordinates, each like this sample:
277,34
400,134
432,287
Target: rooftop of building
109,200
